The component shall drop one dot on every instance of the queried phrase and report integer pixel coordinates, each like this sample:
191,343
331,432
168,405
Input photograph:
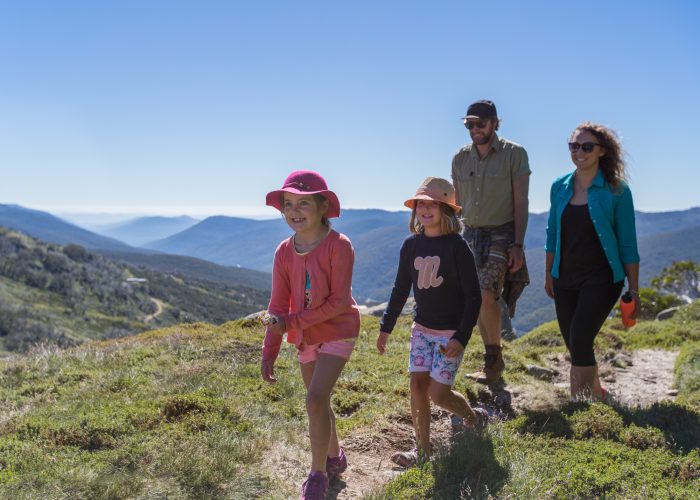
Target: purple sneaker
335,466
315,487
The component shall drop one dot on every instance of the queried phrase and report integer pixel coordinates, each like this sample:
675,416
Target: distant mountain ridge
51,229
377,235
664,237
48,227
66,294
138,232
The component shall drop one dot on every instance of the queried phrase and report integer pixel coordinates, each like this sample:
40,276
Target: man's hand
381,342
515,258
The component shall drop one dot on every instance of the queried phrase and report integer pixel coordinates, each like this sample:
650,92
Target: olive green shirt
485,186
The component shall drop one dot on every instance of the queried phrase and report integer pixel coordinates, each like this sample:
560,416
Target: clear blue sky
202,107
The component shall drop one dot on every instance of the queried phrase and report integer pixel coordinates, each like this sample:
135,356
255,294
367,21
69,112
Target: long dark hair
612,163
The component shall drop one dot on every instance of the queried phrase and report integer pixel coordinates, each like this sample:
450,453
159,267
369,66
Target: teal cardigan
612,213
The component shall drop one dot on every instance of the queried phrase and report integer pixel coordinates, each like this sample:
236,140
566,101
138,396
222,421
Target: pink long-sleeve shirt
333,314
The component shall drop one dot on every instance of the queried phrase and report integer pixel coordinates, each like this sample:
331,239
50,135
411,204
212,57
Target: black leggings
580,314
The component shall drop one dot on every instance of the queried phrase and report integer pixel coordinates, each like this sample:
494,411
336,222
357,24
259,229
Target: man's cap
481,109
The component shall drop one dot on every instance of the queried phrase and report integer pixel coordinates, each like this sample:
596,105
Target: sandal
406,459
482,420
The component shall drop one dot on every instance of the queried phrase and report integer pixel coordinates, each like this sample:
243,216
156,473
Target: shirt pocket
496,171
466,174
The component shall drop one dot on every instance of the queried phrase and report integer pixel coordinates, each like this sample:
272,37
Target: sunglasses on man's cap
476,124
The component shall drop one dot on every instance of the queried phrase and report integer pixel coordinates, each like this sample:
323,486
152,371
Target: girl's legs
320,377
452,401
581,314
420,410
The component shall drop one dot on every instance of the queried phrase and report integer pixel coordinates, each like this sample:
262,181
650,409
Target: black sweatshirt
445,285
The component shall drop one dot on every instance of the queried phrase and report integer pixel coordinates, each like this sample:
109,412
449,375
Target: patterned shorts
425,356
492,274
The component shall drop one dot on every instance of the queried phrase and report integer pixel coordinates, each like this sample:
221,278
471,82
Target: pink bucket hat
435,189
305,182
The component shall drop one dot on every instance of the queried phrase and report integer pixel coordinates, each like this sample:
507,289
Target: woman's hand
267,370
637,304
381,342
454,348
549,285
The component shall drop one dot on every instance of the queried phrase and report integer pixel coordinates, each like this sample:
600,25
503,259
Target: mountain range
49,228
238,243
140,231
63,295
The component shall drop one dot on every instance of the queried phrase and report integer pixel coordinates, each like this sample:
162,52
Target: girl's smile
430,216
304,215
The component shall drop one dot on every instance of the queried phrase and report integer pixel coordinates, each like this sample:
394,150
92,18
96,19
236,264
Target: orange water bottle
626,309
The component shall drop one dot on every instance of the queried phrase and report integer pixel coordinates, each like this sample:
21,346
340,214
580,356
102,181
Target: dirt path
369,455
635,378
159,311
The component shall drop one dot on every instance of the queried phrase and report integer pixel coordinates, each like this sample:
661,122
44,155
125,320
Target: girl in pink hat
312,302
437,263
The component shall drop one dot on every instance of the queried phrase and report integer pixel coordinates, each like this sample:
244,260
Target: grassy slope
91,301
182,413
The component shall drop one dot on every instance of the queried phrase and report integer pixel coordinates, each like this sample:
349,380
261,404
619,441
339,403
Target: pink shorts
342,348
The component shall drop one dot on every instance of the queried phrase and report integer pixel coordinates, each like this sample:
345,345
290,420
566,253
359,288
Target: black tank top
583,261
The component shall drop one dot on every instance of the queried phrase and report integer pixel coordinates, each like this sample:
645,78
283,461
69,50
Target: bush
643,437
76,253
598,421
653,302
414,484
196,403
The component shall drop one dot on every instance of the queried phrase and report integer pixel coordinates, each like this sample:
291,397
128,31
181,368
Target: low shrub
642,437
598,421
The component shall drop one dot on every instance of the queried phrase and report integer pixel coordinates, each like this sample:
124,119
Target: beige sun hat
435,189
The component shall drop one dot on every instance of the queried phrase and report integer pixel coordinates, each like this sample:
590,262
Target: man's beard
486,139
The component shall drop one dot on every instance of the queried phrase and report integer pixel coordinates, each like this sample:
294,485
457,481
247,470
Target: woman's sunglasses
587,147
478,124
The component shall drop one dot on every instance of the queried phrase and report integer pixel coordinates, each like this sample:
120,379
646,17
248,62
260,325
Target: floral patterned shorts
425,356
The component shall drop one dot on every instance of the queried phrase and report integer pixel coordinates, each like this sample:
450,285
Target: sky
200,108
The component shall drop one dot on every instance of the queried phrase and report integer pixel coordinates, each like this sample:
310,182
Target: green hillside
65,295
182,413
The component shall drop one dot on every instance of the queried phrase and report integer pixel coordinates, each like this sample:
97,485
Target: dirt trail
633,378
636,378
159,310
369,455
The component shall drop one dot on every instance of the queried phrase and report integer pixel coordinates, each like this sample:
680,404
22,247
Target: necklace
307,247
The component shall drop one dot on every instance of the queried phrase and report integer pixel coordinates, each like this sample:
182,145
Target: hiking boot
492,368
335,466
315,487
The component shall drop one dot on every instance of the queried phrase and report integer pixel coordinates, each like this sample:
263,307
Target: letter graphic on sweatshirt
427,268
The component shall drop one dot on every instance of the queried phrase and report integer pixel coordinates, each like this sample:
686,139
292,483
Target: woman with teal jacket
591,247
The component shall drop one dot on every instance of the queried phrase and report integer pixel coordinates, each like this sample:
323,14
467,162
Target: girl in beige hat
436,262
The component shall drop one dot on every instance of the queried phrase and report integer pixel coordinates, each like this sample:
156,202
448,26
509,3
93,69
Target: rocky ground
635,378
